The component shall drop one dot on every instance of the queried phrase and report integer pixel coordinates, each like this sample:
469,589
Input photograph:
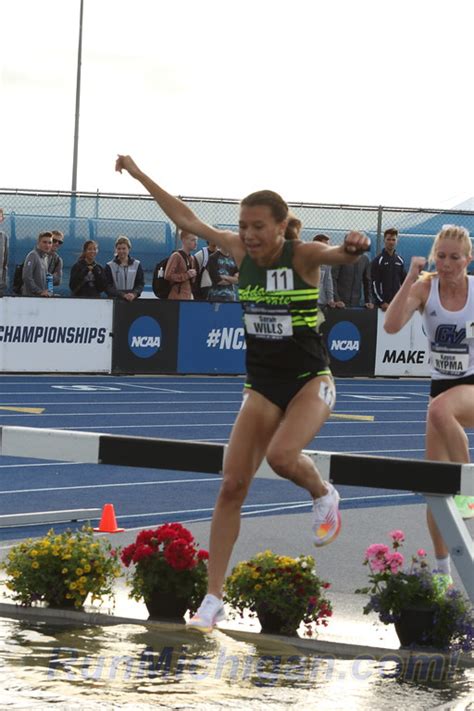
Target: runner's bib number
280,279
268,325
450,361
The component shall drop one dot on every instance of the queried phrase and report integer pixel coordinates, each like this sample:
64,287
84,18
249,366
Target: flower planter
274,623
415,626
166,606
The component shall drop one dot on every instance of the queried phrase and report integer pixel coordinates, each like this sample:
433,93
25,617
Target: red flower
180,555
202,554
127,554
172,531
142,552
146,537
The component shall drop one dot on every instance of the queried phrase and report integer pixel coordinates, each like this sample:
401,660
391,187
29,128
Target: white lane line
181,401
150,388
230,424
211,478
42,464
262,508
158,413
364,409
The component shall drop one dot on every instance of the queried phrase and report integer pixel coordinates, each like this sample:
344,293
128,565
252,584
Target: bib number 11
279,279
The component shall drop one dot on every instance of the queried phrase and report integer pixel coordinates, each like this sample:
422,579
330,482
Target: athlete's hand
127,163
356,243
417,265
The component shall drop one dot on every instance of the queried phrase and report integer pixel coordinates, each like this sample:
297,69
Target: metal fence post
379,229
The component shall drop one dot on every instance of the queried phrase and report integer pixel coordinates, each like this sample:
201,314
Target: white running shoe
210,611
326,517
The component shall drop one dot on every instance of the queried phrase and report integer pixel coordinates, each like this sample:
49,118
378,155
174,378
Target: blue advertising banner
145,336
211,338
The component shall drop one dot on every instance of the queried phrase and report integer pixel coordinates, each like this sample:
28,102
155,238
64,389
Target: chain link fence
103,217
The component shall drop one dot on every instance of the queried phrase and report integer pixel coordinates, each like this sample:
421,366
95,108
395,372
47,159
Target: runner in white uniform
446,301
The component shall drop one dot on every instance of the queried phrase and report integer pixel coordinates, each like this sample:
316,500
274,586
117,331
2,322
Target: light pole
77,112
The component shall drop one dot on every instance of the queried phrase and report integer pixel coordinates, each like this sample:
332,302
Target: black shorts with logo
440,386
281,393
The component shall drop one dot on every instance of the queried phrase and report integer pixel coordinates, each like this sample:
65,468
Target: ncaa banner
145,336
39,335
211,338
402,353
350,336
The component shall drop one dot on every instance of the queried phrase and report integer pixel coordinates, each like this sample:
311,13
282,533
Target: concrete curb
313,646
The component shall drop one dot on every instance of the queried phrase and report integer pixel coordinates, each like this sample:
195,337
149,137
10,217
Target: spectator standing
349,280
387,270
35,267
3,259
123,274
203,280
224,275
87,276
326,287
181,269
55,266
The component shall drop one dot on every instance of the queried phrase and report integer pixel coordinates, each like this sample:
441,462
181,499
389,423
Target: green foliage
393,590
168,560
61,568
287,587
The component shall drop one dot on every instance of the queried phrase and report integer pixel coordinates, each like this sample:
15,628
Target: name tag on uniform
469,329
269,326
280,279
450,361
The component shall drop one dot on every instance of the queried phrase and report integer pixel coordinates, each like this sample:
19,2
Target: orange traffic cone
108,522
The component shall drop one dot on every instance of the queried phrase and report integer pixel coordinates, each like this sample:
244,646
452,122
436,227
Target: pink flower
379,565
376,550
421,552
395,561
398,536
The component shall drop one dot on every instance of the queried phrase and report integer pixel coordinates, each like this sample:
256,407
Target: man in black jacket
387,271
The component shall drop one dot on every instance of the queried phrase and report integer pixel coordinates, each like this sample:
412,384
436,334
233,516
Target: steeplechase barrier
437,481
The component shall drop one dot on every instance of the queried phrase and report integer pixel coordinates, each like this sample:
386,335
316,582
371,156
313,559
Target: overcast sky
338,101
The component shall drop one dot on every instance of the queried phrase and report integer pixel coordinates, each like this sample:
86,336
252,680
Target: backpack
17,279
161,286
203,281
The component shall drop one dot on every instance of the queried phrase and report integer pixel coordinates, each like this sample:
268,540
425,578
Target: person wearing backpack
181,270
203,281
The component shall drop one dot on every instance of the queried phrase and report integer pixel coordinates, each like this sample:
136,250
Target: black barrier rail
438,481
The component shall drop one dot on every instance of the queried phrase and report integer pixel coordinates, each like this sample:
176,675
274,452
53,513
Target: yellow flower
258,587
79,572
82,580
33,553
87,568
72,586
64,571
66,556
35,564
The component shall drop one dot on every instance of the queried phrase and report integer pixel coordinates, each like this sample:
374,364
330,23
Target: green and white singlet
280,316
